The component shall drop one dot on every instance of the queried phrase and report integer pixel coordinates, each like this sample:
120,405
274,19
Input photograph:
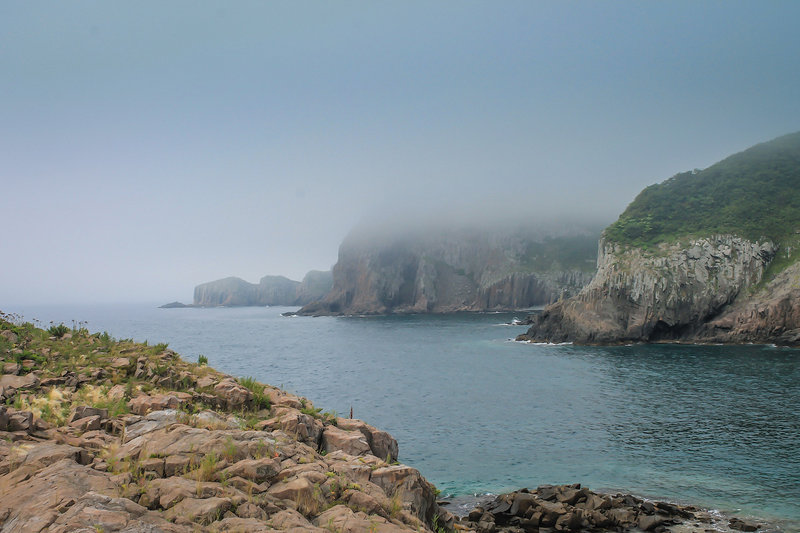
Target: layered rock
705,256
219,454
671,293
270,290
576,508
445,269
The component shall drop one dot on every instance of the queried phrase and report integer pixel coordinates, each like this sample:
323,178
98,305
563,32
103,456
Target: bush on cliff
754,194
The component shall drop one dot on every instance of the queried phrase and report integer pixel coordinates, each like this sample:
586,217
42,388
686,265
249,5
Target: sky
147,147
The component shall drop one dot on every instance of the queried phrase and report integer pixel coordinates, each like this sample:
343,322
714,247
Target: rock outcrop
270,290
183,448
445,269
676,292
705,256
576,508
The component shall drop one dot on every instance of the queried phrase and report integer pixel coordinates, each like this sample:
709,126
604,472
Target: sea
479,413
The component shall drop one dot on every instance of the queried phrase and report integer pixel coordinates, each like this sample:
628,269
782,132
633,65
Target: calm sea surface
476,413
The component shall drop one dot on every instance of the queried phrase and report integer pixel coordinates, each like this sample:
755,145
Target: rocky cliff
271,290
454,269
662,277
666,294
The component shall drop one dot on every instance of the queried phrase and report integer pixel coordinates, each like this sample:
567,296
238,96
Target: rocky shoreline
104,435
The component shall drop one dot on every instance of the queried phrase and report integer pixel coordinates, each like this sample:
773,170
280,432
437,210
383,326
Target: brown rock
234,395
98,512
83,411
89,423
201,511
350,442
621,516
35,503
257,470
302,427
360,501
155,465
413,489
249,510
120,363
8,335
303,492
650,522
381,443
20,420
571,521
206,382
341,518
117,392
288,519
11,368
26,382
240,525
143,404
175,465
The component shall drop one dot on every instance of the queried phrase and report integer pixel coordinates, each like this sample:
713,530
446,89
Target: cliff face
705,256
271,290
667,294
450,270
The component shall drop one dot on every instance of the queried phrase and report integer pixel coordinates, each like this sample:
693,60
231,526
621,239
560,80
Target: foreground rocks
576,508
100,435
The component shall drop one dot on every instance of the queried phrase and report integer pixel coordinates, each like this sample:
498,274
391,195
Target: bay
717,426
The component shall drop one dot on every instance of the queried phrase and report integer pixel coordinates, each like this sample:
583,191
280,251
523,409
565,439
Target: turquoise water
475,412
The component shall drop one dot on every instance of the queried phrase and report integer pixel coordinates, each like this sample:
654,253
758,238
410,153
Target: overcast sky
146,147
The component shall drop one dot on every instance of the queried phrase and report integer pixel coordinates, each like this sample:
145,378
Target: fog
149,147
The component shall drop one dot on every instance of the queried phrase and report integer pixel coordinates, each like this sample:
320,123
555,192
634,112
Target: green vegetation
58,331
260,400
562,253
754,194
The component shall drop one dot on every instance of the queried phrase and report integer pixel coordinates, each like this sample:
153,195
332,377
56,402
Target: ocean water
716,426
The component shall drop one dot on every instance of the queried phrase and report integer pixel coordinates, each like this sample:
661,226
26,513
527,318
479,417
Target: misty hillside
435,266
754,194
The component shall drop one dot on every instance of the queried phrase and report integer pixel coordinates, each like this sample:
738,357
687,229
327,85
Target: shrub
58,331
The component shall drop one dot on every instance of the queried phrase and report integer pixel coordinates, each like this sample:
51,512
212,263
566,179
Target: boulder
143,403
257,470
83,411
89,423
11,368
119,363
381,443
342,519
235,524
8,335
301,426
234,395
175,465
650,522
35,503
153,421
250,510
412,488
302,491
350,442
20,420
99,512
201,511
26,382
741,525
289,519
